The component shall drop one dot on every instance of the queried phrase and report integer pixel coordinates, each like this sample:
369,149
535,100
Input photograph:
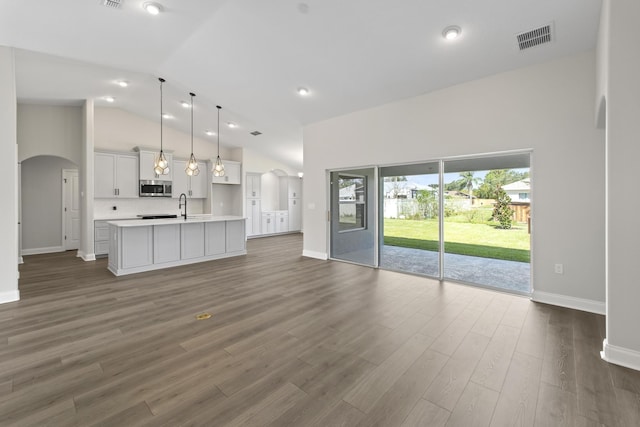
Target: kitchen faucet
185,205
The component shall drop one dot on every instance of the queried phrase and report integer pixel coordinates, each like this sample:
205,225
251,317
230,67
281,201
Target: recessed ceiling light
185,104
109,99
209,132
167,116
232,125
122,83
303,91
452,32
152,7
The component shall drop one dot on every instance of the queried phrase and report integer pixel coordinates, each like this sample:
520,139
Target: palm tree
469,180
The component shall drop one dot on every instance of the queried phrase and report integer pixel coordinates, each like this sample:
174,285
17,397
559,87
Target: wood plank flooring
294,341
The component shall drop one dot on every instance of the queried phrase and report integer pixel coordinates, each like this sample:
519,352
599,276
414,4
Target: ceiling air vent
256,133
114,4
535,37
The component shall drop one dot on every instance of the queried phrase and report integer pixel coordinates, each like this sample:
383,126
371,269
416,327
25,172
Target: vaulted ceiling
251,56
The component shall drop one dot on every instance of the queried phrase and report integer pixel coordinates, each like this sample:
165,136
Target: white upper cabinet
116,175
232,172
147,160
195,187
180,179
200,183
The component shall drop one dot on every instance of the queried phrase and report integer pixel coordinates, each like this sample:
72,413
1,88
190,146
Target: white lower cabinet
139,250
235,236
268,223
101,238
164,243
282,222
192,240
215,237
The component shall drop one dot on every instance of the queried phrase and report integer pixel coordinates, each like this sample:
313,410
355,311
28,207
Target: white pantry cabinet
115,175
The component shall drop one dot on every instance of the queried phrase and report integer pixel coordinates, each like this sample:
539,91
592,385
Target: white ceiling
250,56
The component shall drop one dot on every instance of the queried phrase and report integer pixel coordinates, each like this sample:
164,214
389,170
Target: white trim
588,305
20,260
620,356
86,257
49,250
10,296
314,254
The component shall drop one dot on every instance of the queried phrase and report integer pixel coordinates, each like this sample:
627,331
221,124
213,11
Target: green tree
497,178
502,213
469,181
427,203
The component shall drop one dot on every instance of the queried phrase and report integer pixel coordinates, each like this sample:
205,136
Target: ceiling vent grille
535,37
256,133
114,4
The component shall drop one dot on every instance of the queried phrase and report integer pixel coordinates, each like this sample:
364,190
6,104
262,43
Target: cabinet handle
226,178
253,202
253,193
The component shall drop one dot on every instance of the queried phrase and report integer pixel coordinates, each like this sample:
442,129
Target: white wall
621,69
42,203
547,108
119,130
253,161
50,130
129,208
9,178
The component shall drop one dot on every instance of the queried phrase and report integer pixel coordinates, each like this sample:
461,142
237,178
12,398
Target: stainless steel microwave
155,188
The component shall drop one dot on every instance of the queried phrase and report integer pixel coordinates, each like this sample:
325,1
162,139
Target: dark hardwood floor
295,341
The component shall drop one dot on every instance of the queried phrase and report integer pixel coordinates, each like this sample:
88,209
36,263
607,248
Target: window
523,196
353,202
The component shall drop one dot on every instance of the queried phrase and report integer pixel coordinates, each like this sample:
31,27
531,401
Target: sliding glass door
410,227
487,202
353,216
462,219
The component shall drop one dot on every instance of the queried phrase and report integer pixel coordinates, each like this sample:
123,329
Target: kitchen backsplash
129,208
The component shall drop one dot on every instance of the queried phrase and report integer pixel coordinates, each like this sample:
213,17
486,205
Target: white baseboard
620,356
10,296
588,305
36,251
86,257
314,254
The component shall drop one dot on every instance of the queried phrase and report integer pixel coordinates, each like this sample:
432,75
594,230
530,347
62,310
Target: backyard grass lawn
462,238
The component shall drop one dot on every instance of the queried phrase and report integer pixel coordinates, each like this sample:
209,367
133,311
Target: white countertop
191,219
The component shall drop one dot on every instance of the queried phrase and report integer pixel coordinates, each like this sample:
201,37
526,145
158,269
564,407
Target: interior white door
71,209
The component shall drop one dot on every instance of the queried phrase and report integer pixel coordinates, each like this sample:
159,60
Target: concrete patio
511,276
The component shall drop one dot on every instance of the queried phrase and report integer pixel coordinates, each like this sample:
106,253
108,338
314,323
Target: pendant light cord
192,95
161,113
219,108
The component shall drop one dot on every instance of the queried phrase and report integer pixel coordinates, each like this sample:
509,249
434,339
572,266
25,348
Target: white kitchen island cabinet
143,245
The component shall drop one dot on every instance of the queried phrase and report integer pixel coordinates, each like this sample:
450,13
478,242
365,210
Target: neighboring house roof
522,185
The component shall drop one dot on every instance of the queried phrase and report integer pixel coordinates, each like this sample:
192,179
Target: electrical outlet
559,269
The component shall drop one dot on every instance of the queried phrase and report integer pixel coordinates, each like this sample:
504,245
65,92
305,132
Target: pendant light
192,168
218,168
161,166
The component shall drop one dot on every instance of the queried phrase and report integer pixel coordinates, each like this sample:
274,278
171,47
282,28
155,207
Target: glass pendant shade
192,168
218,167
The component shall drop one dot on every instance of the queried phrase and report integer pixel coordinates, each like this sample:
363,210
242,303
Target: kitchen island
143,245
